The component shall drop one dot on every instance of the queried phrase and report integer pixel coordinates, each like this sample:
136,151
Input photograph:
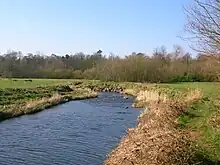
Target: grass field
203,117
24,83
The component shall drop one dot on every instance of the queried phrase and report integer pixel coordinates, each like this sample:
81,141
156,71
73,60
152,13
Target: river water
77,133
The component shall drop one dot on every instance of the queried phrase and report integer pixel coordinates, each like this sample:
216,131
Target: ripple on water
78,132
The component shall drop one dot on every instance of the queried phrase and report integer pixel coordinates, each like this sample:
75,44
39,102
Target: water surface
78,132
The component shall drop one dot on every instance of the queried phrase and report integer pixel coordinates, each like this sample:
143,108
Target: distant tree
99,52
140,54
162,66
67,56
160,52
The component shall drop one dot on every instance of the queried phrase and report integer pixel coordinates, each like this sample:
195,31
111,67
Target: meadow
31,83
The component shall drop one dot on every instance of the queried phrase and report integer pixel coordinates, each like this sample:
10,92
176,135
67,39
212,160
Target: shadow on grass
4,115
202,160
190,114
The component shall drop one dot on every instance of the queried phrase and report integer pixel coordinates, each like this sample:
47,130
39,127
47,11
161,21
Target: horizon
55,27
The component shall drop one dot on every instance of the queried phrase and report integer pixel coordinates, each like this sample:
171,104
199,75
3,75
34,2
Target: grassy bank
179,126
203,117
19,97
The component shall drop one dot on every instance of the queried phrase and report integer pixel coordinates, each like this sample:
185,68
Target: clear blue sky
69,26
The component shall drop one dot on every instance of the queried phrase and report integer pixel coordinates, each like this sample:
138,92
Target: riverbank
17,100
27,96
179,126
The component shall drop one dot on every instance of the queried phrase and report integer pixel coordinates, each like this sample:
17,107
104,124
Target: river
77,133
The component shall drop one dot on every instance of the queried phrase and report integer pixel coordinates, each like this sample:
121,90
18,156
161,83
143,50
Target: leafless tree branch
203,26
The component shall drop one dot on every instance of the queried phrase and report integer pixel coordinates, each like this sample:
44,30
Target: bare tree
203,26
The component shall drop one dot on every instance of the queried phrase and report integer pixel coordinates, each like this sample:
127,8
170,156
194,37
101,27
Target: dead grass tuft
135,90
149,96
36,103
193,95
132,92
215,120
144,98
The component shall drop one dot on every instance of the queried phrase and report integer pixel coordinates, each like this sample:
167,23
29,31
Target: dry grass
215,120
156,141
131,92
193,95
151,96
56,98
144,98
140,87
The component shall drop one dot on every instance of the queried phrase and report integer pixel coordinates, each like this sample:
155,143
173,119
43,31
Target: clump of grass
151,96
193,95
132,92
215,121
55,99
134,88
146,97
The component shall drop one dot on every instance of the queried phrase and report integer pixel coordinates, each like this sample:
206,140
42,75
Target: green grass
18,91
10,96
21,83
198,117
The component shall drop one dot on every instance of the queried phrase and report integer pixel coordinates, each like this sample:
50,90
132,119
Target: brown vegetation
161,66
216,121
156,140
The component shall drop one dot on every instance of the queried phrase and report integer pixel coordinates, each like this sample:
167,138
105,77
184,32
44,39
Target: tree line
161,66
